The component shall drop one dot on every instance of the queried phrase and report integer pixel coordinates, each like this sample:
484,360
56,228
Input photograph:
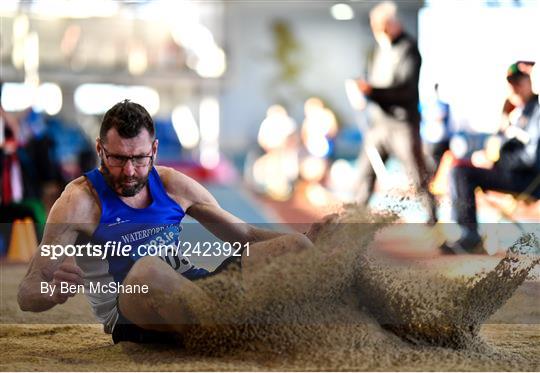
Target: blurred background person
516,168
436,128
392,86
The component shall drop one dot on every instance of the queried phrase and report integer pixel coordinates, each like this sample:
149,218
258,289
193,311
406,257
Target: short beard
116,185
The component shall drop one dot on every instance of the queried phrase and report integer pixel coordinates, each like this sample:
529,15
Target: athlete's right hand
67,274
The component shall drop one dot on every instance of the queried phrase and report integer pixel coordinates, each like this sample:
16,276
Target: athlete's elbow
25,300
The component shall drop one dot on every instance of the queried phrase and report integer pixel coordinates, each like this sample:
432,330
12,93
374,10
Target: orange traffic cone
18,251
31,238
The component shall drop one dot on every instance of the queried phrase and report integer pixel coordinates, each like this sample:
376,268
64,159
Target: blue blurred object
347,143
464,144
69,140
170,149
3,245
36,123
435,124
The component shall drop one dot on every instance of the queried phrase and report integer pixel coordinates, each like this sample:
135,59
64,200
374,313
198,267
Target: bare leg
159,309
262,252
167,305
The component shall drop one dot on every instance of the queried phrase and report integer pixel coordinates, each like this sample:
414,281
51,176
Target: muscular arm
226,226
203,207
62,228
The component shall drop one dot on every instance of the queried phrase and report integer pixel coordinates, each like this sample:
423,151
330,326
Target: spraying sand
338,307
305,298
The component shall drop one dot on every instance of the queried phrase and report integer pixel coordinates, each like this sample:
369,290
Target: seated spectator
517,167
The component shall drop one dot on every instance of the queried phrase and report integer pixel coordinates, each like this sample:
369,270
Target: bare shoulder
182,188
78,203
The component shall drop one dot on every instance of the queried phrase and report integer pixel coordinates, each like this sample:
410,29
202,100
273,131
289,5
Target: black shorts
125,330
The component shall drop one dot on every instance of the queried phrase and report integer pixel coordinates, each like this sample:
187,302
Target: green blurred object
40,214
287,52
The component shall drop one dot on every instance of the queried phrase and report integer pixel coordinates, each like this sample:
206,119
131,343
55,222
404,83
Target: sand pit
321,311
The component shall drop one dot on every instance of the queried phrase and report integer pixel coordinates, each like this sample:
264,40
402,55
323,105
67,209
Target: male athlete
129,200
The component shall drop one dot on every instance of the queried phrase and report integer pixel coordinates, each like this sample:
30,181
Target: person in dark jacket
516,171
392,89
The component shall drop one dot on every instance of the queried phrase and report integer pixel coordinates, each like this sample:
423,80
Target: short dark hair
129,118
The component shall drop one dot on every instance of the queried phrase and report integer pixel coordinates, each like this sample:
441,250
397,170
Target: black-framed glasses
117,160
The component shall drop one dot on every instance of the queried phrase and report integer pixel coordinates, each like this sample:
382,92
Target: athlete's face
126,163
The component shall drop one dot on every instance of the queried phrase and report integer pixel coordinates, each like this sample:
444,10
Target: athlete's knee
301,241
145,271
